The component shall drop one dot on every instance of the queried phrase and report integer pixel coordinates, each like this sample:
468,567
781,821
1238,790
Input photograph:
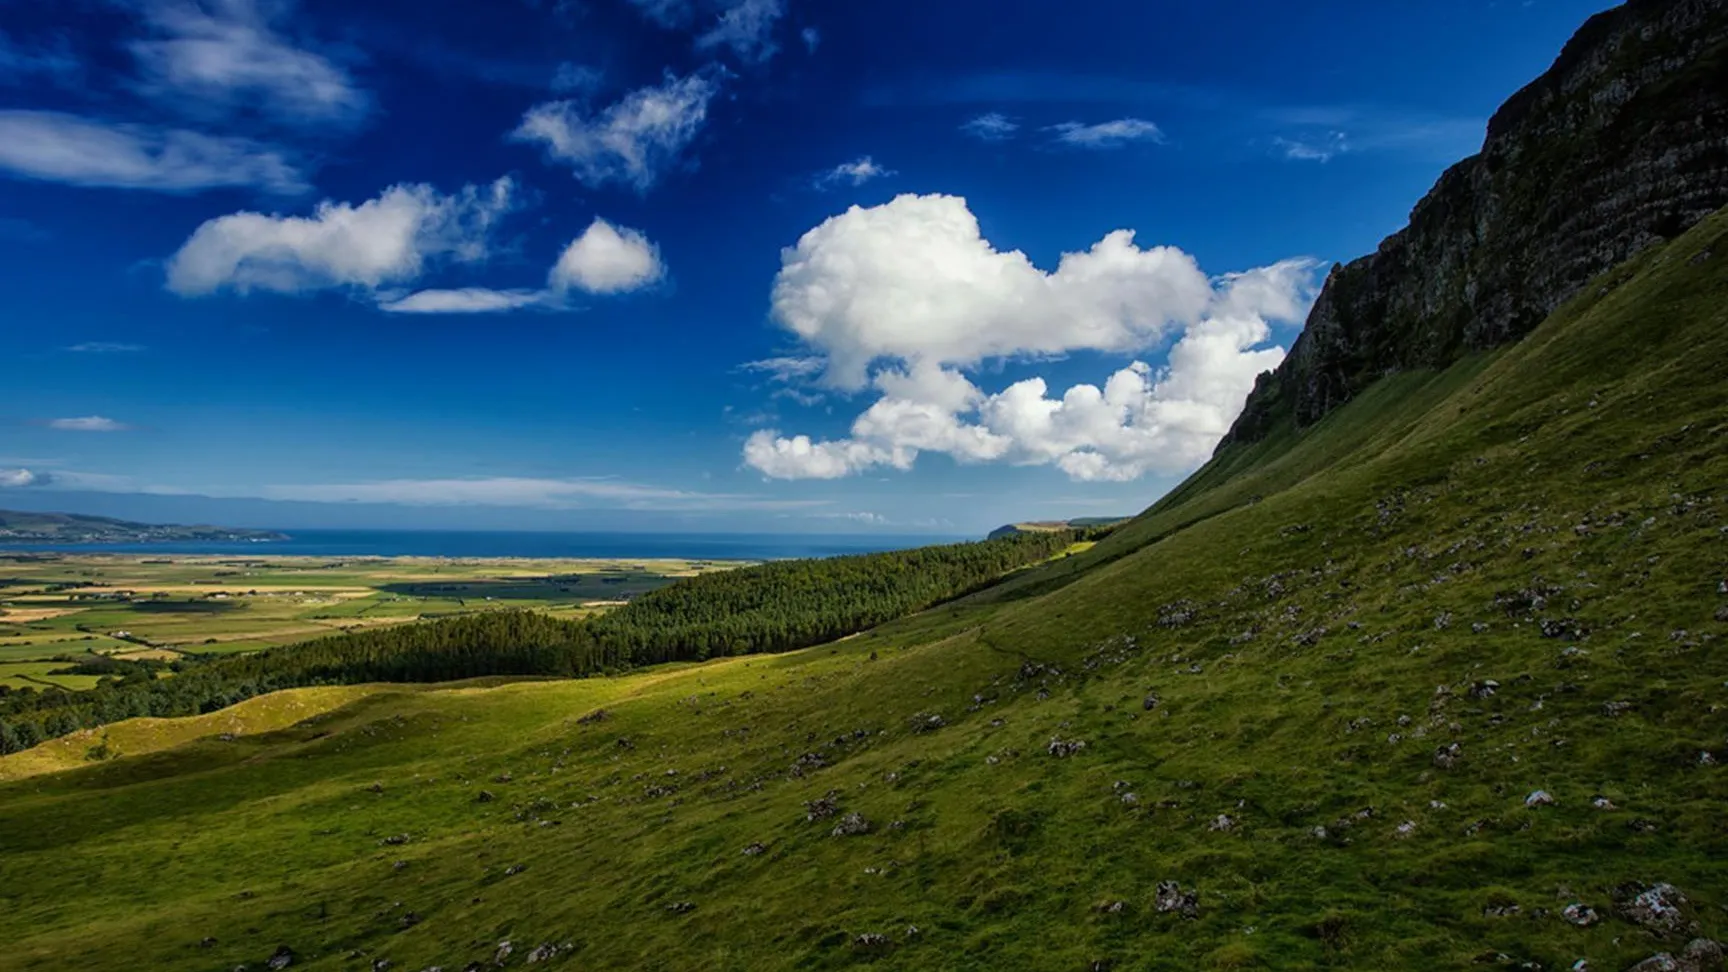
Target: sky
691,265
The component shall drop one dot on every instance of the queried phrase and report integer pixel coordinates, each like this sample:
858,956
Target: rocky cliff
1622,143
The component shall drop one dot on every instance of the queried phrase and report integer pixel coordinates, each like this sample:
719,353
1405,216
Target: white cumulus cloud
607,259
87,423
632,141
55,147
1107,135
901,298
381,241
220,56
22,478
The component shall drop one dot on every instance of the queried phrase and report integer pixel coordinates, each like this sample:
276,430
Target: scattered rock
1700,955
1484,689
1706,758
927,722
598,715
515,869
1615,710
1603,803
1658,907
871,941
681,907
1223,823
485,796
822,807
1171,899
1153,701
283,957
1406,828
852,825
1581,915
546,952
503,953
1064,748
1447,756
396,841
1540,798
381,965
375,788
754,850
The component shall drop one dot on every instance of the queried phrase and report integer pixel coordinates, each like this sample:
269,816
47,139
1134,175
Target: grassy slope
1416,510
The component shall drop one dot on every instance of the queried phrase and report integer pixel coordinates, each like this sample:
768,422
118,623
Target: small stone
1603,803
1447,756
1540,798
1658,907
283,957
754,850
503,952
1064,748
484,796
870,941
681,907
1406,828
1169,898
396,841
515,869
1706,758
1581,915
1615,710
852,825
1223,823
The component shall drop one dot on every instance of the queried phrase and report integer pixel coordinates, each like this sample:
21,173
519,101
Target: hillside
22,527
1499,585
1431,677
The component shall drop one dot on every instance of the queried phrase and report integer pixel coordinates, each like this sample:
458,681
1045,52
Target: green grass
1358,556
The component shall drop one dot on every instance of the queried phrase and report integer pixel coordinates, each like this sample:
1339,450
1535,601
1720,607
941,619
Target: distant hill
1056,526
21,527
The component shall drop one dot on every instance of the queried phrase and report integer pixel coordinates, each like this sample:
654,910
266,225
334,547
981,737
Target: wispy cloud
490,491
854,173
746,28
88,423
812,39
52,60
1321,149
105,347
218,59
991,127
633,141
54,147
1107,135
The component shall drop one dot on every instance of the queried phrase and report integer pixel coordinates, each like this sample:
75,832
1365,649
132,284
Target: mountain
20,527
1432,681
1623,143
1056,526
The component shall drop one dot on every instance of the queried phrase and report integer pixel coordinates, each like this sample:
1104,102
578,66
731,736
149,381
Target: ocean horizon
462,544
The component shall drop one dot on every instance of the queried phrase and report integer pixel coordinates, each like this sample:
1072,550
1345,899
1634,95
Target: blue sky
730,265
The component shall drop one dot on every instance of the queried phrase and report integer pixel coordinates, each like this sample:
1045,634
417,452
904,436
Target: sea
473,544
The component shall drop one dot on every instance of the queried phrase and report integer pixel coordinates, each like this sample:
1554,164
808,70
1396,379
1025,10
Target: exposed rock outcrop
1623,143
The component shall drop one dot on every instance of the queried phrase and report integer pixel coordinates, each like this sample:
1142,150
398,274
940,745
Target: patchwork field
59,609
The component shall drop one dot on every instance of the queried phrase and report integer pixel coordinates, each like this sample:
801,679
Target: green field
1402,691
59,607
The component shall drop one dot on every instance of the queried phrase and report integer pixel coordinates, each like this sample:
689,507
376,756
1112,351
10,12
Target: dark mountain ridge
23,527
1623,143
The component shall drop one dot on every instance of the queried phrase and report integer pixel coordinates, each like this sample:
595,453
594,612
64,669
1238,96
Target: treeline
774,607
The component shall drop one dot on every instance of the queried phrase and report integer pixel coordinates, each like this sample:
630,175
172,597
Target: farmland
59,609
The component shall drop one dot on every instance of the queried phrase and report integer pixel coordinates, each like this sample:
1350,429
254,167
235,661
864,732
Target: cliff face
1621,144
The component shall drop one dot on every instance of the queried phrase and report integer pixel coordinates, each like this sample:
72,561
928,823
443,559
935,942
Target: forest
774,607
